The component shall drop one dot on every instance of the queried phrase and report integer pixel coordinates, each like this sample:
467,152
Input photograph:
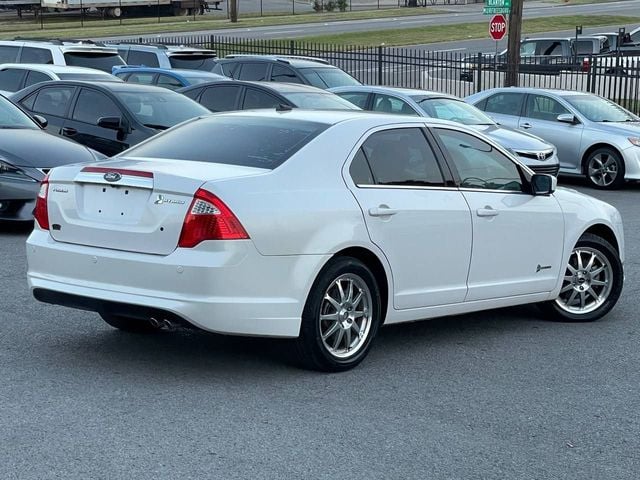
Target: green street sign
494,10
498,3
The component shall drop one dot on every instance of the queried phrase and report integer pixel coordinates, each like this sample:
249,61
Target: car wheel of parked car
592,282
131,325
605,168
341,317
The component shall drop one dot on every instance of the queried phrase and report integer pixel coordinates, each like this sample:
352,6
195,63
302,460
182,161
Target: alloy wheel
603,169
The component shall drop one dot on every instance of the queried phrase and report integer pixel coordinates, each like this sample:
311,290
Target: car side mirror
112,123
40,120
567,118
543,184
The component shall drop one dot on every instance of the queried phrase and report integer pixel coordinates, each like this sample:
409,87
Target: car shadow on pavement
15,228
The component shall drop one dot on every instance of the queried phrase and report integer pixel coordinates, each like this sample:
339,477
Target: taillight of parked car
586,64
41,213
209,218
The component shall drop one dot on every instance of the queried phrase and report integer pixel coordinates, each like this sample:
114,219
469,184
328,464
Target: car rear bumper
225,287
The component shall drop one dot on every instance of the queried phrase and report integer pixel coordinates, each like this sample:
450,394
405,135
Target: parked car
173,79
106,116
74,53
166,56
282,68
319,226
624,45
16,76
534,152
595,137
236,95
27,153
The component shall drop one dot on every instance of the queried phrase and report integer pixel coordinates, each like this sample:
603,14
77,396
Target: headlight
635,141
8,171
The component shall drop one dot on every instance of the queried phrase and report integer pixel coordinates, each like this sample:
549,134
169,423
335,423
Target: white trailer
115,8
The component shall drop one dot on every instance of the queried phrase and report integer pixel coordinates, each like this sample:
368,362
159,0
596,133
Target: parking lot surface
501,394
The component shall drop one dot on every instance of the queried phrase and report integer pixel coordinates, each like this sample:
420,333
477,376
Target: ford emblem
112,176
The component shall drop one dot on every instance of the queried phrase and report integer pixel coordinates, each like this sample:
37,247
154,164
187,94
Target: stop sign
498,27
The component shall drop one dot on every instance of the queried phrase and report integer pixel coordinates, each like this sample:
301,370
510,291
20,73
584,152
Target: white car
16,76
320,226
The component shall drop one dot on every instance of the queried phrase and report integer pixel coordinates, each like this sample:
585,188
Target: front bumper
631,158
226,287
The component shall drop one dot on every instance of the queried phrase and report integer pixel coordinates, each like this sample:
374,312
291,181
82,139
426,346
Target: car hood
38,149
513,139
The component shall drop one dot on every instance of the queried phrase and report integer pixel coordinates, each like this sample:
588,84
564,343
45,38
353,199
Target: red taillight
586,65
40,213
209,218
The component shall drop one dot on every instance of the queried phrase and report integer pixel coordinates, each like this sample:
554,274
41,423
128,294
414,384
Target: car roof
41,67
552,91
393,90
292,60
112,86
165,48
334,117
65,45
176,71
277,87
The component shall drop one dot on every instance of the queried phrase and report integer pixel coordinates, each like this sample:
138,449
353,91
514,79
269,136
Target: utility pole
513,44
233,10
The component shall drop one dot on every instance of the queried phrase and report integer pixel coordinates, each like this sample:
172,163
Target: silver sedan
595,137
534,152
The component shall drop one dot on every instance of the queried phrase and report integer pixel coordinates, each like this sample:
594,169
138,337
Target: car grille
546,154
548,169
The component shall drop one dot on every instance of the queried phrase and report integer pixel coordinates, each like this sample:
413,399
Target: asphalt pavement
501,395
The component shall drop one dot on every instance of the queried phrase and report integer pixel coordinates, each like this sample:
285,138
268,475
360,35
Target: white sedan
319,226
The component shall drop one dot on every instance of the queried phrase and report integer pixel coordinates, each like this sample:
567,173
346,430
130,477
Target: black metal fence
613,77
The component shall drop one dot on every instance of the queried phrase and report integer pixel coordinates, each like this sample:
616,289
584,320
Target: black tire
130,325
596,164
314,352
558,309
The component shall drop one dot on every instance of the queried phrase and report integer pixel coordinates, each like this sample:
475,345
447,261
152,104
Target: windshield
598,109
247,141
99,77
328,77
454,110
12,117
319,101
161,109
193,62
99,61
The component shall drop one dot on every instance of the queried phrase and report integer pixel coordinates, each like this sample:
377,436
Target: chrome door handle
382,211
526,125
487,211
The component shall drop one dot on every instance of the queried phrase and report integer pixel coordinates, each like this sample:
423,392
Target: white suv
77,53
167,56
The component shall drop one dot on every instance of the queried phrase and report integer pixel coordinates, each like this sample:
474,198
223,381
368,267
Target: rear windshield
99,77
99,61
328,77
247,141
193,62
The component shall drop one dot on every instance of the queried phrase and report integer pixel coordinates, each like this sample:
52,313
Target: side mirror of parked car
40,120
112,123
567,118
543,184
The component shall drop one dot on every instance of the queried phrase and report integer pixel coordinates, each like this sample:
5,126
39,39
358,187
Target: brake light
40,213
209,218
586,64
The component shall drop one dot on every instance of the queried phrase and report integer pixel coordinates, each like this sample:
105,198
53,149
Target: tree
513,44
233,10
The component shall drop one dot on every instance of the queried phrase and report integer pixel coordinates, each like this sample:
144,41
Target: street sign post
498,27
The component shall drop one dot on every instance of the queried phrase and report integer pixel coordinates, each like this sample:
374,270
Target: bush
317,6
330,6
342,5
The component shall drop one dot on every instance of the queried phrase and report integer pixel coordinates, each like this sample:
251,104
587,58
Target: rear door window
505,103
280,73
253,71
221,98
167,81
91,105
389,104
53,100
142,78
34,77
8,53
11,79
359,99
36,55
147,59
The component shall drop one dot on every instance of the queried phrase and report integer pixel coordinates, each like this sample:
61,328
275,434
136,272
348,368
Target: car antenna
283,108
